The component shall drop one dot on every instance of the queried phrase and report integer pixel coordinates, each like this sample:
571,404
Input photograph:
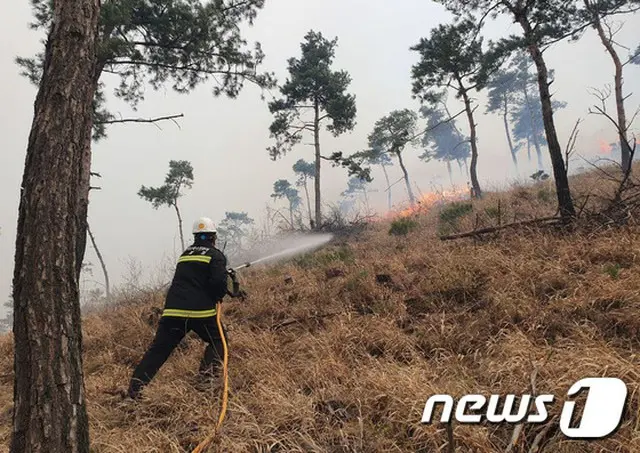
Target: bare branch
635,115
143,120
448,120
571,144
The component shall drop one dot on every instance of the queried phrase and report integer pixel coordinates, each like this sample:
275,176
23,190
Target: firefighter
199,282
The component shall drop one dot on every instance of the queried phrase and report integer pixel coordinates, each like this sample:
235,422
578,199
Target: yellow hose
207,442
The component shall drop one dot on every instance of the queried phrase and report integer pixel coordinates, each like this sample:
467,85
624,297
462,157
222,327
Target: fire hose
236,292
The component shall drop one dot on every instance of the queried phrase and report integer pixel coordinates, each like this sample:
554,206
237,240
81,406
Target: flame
605,148
428,201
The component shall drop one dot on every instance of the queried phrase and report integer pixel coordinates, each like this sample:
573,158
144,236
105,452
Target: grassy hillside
353,374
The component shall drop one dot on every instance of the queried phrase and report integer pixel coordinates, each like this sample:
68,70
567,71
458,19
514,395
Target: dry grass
458,317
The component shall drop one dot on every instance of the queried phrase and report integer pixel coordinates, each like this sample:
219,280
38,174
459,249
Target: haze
226,140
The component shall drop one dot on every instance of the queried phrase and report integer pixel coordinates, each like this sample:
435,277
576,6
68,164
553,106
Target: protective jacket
200,281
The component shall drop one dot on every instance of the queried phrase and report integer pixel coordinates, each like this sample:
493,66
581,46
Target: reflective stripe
197,258
189,313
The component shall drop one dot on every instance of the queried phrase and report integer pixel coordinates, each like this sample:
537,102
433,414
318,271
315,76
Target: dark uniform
200,281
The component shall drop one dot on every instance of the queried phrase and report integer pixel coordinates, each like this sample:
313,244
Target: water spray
310,243
288,252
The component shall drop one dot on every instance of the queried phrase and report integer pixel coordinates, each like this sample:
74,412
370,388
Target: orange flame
605,148
428,201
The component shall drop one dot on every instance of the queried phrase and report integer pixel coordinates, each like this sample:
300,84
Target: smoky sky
226,140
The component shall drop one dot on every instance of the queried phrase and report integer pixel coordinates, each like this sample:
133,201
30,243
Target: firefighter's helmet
204,225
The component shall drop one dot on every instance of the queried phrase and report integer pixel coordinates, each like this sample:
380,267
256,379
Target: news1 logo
601,416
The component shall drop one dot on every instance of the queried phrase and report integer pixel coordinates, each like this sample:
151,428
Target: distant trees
313,94
503,98
452,57
357,187
391,134
376,156
6,323
283,189
179,177
233,229
513,93
442,140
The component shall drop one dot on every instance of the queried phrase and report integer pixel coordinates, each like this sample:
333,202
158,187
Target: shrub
454,211
402,226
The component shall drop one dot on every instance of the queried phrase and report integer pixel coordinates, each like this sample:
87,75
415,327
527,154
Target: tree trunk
449,171
291,216
412,199
102,263
474,146
306,191
316,179
386,177
366,200
528,149
532,129
49,412
175,205
505,117
565,202
625,149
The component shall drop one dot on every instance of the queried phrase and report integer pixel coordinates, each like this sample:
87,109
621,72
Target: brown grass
458,317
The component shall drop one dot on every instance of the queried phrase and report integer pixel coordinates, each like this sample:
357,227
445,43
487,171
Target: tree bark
412,199
316,179
505,117
49,412
175,205
102,264
565,202
386,177
474,146
625,149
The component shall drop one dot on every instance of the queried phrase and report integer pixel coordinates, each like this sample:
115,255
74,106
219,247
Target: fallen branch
451,445
498,228
535,446
520,426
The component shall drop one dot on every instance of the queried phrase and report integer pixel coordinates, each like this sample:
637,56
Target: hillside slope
353,374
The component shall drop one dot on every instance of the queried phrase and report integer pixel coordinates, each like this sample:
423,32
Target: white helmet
204,225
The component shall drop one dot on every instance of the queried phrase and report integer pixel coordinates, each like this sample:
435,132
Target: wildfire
428,201
605,148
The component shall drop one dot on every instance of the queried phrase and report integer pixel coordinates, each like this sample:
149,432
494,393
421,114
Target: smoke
283,246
